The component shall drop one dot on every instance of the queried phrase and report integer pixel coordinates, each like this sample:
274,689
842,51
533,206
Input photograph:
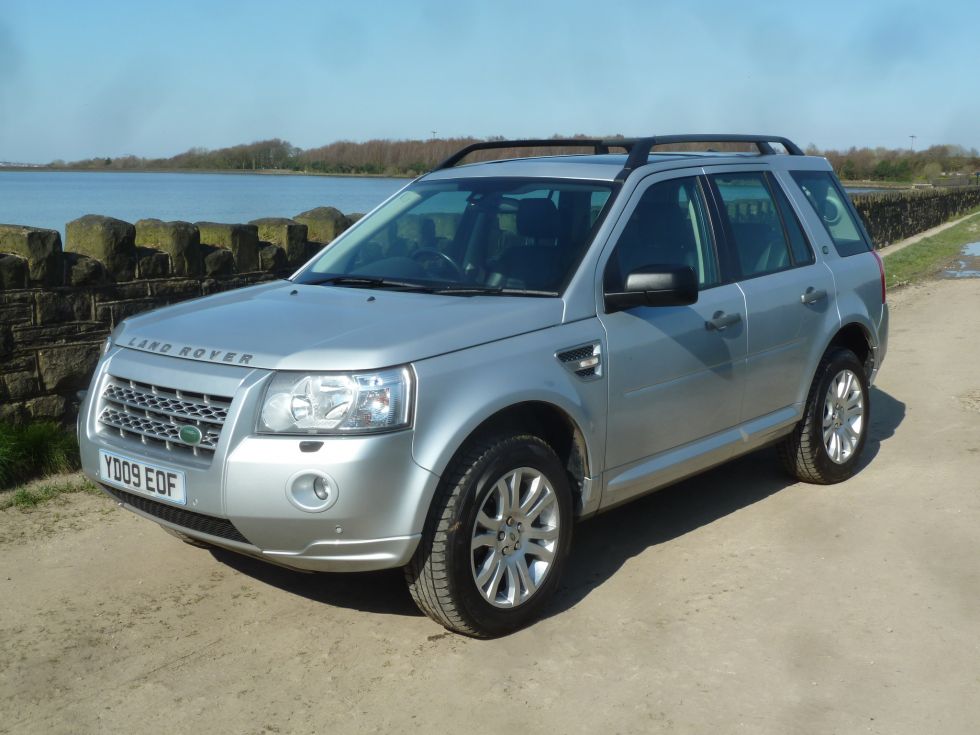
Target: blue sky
81,79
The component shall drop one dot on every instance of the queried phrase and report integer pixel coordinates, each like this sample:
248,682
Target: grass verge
926,257
41,491
35,450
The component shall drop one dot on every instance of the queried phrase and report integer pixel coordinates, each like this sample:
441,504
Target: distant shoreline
870,184
227,171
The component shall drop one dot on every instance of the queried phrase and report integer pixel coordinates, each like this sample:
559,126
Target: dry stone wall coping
58,304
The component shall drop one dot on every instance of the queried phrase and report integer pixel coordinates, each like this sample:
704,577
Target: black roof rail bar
639,152
598,146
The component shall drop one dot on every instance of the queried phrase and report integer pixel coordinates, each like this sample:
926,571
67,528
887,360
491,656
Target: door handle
812,295
721,321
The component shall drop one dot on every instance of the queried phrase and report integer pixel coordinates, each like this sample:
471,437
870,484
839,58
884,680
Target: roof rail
637,148
639,152
597,145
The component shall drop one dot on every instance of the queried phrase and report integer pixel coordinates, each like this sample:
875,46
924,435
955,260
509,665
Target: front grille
154,415
220,527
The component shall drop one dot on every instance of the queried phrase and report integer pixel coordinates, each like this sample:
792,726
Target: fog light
312,491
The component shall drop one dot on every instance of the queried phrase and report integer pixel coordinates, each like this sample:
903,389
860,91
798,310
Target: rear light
881,270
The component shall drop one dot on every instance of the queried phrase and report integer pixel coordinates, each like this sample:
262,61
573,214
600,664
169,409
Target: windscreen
515,236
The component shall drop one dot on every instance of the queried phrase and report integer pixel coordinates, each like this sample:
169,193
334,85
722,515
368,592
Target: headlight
337,403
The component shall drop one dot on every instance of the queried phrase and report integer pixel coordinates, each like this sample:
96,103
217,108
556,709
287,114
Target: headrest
537,218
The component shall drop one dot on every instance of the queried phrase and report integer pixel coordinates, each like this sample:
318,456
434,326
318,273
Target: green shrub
35,450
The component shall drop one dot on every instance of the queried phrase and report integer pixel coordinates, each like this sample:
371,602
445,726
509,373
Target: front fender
457,392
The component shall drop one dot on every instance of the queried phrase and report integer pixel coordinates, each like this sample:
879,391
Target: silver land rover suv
498,350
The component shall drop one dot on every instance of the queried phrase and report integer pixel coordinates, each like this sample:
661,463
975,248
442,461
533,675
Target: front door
675,374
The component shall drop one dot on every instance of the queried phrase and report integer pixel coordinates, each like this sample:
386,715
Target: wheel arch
557,428
857,338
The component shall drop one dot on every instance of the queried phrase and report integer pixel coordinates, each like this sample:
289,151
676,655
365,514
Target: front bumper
382,495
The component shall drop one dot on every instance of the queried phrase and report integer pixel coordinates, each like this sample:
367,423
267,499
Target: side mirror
656,285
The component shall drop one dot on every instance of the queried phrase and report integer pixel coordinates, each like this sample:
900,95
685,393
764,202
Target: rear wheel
496,538
826,445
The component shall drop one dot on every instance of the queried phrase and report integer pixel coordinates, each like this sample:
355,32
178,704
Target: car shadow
601,545
887,412
377,592
604,544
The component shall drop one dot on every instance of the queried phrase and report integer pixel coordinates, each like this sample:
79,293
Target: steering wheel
432,254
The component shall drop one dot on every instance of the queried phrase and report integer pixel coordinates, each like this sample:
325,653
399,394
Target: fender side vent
584,360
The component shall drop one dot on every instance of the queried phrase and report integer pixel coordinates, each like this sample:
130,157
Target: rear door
789,295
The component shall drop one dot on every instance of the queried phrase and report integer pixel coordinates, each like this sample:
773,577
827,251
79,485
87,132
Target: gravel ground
735,602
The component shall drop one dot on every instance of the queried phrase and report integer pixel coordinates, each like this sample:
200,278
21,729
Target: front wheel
496,538
826,445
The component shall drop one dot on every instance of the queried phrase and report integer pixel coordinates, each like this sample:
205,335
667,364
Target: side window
754,225
668,226
830,204
798,244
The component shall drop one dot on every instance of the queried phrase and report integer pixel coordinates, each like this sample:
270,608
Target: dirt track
737,602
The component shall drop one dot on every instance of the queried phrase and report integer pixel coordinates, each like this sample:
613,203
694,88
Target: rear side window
754,224
802,253
831,204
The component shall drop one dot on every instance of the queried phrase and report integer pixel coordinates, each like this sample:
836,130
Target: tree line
412,157
890,164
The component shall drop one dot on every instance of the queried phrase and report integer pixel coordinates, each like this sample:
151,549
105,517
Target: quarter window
668,227
834,210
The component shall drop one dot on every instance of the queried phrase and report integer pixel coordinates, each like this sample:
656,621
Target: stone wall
58,304
894,216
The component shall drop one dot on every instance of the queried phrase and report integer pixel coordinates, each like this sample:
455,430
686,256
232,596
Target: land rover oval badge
190,435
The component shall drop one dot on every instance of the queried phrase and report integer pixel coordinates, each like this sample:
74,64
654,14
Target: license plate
143,478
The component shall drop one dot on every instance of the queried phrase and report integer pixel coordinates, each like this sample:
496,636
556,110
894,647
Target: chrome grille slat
154,415
172,404
153,428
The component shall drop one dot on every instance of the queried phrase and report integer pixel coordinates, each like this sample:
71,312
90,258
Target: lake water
52,198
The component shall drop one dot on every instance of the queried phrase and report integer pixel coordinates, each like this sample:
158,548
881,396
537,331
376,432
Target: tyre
496,539
826,445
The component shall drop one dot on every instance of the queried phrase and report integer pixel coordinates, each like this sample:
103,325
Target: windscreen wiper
368,282
378,282
489,291
467,290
